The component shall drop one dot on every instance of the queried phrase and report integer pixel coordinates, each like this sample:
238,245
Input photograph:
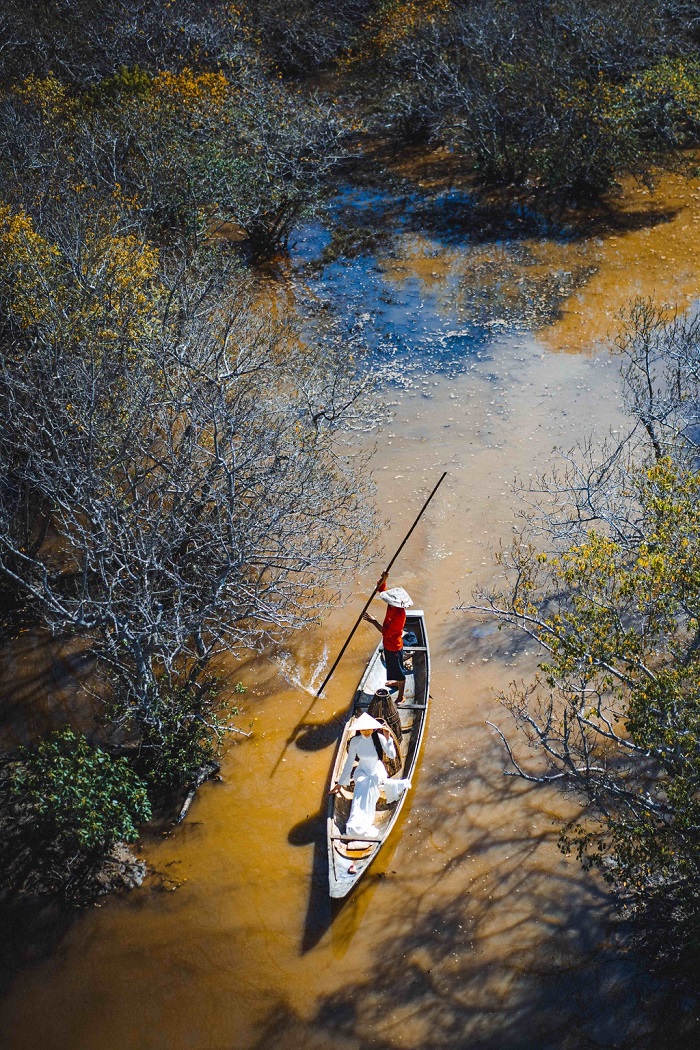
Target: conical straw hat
366,721
397,597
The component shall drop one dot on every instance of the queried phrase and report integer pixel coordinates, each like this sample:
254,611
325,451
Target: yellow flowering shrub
398,20
30,269
110,293
617,702
49,94
669,94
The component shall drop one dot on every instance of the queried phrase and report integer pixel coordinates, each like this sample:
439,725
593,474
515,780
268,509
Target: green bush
562,97
182,732
79,794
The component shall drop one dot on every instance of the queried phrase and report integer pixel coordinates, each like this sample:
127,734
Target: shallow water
471,929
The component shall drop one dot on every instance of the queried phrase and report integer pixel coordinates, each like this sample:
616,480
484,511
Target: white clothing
370,777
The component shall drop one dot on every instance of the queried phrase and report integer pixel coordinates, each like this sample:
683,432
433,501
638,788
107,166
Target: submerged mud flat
471,929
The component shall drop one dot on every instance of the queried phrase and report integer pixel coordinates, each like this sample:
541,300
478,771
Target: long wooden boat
344,850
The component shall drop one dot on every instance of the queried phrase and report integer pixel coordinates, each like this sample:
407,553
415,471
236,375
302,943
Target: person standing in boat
372,739
398,600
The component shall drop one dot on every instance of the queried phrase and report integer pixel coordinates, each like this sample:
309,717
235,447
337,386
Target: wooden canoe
343,852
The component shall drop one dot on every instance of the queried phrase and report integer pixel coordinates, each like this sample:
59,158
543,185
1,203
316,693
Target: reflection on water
426,276
421,284
470,930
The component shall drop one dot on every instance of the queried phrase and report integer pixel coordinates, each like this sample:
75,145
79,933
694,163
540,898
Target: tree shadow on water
482,954
31,931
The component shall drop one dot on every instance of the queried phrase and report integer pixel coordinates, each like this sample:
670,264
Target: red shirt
392,628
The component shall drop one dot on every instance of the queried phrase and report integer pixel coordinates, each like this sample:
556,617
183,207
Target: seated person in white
370,776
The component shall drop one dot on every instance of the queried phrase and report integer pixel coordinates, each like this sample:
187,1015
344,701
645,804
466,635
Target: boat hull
344,852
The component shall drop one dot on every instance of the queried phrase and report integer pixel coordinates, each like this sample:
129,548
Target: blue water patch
352,262
400,326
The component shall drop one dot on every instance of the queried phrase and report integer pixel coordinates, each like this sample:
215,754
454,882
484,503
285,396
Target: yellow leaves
110,293
609,586
122,271
192,91
593,563
28,267
17,232
48,94
672,82
127,202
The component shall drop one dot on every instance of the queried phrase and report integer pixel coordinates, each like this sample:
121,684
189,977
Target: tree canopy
174,476
607,580
172,485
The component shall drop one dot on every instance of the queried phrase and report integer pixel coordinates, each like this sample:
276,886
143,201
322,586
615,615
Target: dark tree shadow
31,932
435,196
476,636
42,686
539,962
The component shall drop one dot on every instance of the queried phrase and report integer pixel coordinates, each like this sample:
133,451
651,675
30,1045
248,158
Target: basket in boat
382,706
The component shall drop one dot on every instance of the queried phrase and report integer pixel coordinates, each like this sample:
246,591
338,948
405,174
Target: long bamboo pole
369,600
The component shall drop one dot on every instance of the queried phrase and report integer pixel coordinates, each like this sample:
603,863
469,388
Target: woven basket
382,706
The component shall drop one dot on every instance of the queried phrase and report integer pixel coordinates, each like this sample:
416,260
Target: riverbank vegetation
191,106
606,578
172,488
560,97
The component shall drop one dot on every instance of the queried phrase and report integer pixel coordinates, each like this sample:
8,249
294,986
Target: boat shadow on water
319,911
323,911
315,736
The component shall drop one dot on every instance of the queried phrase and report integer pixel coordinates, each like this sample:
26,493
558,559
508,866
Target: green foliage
615,603
124,84
565,97
176,154
79,794
667,100
617,709
182,732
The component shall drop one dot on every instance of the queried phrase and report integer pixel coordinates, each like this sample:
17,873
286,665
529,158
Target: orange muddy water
471,929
